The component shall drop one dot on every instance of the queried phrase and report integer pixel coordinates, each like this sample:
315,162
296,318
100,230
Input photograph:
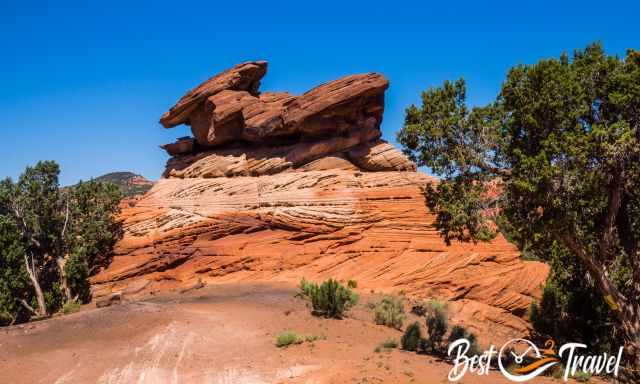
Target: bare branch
489,168
28,307
25,228
29,269
66,220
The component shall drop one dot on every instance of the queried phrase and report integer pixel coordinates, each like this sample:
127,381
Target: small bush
410,341
582,376
313,338
433,305
330,299
287,338
305,287
390,312
389,343
419,310
352,284
459,332
70,307
557,372
6,318
423,344
436,323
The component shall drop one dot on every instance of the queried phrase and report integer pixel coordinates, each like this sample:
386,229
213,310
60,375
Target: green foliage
314,338
436,319
71,307
390,312
555,160
91,232
581,376
14,284
51,240
457,203
390,343
329,299
352,284
305,287
410,340
287,338
460,332
562,313
77,271
419,310
386,345
434,307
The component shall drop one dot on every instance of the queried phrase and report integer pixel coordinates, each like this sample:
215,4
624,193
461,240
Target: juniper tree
52,239
555,158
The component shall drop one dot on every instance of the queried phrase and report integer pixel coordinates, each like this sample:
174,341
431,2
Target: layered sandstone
278,187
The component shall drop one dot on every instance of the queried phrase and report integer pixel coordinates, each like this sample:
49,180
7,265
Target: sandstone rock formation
277,187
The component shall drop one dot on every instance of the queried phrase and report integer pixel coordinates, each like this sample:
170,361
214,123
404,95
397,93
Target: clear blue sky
85,83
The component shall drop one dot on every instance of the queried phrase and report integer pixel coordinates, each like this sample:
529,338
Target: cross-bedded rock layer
279,187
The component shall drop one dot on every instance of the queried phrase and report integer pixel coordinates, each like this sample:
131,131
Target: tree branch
30,272
28,307
629,242
489,168
66,221
25,228
615,198
611,293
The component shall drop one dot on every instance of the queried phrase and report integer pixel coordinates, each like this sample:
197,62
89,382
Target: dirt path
218,334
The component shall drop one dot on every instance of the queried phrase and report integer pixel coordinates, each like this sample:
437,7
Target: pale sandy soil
218,334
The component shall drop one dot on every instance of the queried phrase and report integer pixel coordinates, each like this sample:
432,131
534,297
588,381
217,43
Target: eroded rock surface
275,187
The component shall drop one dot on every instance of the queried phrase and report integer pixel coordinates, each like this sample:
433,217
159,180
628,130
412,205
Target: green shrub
389,343
390,312
70,307
305,287
287,338
419,310
77,271
433,305
582,376
563,297
436,319
6,318
424,345
459,332
313,338
330,299
352,284
410,340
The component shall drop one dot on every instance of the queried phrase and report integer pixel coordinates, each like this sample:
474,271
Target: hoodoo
274,186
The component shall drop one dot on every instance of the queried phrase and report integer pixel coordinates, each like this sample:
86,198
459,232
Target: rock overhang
237,130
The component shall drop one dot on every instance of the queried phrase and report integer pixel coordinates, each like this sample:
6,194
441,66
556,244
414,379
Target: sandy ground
218,334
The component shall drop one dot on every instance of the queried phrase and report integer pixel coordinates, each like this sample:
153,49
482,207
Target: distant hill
130,184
